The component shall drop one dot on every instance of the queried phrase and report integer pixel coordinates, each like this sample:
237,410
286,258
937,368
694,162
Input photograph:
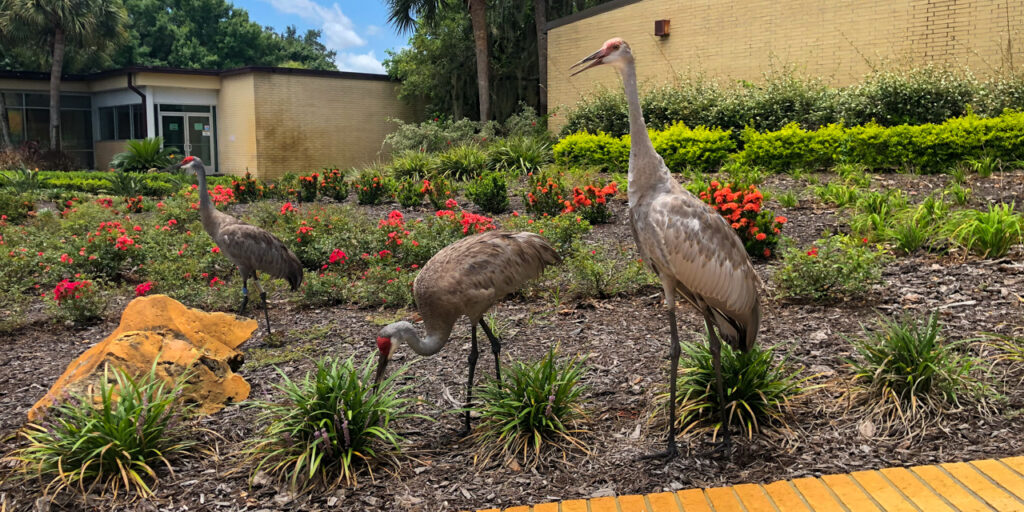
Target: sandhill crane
250,248
467,278
691,248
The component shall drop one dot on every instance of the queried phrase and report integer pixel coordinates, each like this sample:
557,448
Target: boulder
181,340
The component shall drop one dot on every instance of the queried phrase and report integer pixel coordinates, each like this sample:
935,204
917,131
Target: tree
59,25
401,13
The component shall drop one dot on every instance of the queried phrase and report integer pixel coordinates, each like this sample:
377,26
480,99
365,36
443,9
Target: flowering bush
439,189
307,187
77,301
247,189
832,269
489,192
133,204
468,223
560,230
544,194
758,229
372,188
591,202
410,192
143,288
333,185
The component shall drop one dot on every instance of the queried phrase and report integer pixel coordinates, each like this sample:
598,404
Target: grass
837,194
538,405
115,443
907,374
758,391
788,199
329,426
991,233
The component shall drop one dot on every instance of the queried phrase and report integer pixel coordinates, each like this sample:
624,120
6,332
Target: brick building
268,121
839,40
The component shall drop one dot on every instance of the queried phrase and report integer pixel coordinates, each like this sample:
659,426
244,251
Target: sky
356,29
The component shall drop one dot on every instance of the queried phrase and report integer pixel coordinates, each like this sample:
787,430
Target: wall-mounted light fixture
661,28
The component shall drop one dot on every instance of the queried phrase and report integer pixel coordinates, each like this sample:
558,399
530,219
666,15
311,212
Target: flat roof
43,75
586,13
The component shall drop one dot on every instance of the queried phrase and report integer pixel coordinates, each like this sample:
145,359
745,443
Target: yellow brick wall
305,123
839,40
236,125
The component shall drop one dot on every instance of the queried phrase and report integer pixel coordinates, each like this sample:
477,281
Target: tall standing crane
693,250
467,278
250,248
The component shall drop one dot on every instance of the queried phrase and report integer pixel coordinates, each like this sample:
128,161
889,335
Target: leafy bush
372,187
20,181
15,207
247,189
117,442
757,390
600,150
462,162
410,192
591,202
144,154
543,195
917,96
906,372
308,186
791,147
758,229
329,424
596,271
489,192
538,404
333,185
77,301
519,154
439,189
560,230
989,234
409,164
433,136
832,269
700,147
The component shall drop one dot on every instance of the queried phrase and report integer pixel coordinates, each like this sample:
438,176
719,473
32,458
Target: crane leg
495,348
725,446
245,296
671,451
263,299
473,354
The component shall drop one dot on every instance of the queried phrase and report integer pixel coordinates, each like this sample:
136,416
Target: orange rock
182,338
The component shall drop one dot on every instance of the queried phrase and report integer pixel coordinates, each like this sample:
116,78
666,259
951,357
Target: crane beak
382,363
594,59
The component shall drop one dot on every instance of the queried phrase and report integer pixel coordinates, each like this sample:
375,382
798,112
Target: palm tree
56,24
401,15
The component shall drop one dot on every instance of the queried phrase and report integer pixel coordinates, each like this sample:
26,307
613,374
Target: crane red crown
187,159
384,345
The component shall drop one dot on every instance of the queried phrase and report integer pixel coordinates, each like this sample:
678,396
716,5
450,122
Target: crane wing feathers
258,250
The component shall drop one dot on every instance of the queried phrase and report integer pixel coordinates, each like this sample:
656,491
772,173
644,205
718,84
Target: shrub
989,234
544,194
372,187
602,111
596,271
144,154
439,189
591,202
333,185
308,185
16,207
538,404
519,154
432,136
757,390
117,442
247,189
758,229
600,150
410,192
832,269
77,301
917,96
791,147
410,164
906,372
700,147
560,230
20,180
462,162
383,284
489,192
329,424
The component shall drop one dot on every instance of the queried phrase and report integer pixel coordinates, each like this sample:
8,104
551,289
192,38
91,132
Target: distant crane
467,278
250,248
694,251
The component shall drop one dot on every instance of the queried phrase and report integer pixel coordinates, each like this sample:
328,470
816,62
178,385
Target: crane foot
670,453
719,449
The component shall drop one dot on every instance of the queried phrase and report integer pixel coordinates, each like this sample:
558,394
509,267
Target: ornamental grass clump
537,406
111,443
989,234
758,391
330,425
906,374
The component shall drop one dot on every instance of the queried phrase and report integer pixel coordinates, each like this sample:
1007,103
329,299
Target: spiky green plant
990,233
959,193
20,180
329,425
985,165
412,163
788,199
126,185
538,404
906,372
117,442
958,174
837,194
854,174
519,154
144,154
908,235
758,391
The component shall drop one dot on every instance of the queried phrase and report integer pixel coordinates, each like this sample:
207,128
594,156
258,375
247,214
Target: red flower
761,236
781,220
813,252
863,240
337,255
767,253
215,250
451,203
143,288
287,208
215,281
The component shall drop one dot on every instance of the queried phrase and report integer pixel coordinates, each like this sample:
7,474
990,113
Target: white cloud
372,30
363,63
339,32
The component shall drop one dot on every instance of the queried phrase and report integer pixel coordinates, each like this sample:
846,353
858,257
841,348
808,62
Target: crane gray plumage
466,278
691,247
250,248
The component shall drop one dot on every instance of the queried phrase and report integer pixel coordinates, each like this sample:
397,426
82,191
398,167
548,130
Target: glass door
200,138
172,128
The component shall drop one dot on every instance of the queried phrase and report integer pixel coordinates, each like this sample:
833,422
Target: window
28,116
184,108
121,122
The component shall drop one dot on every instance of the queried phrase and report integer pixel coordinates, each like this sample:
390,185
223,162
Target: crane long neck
638,136
434,342
647,171
205,203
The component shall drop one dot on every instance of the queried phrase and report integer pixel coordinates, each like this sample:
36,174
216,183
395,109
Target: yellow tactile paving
663,502
753,498
693,500
1002,475
913,488
978,486
785,496
882,491
981,486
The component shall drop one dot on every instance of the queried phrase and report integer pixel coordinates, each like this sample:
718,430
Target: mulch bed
625,339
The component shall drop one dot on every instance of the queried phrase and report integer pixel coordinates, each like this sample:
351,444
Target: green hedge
681,147
926,148
97,182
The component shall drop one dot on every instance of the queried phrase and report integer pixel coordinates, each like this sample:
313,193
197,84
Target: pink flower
143,288
451,203
336,256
